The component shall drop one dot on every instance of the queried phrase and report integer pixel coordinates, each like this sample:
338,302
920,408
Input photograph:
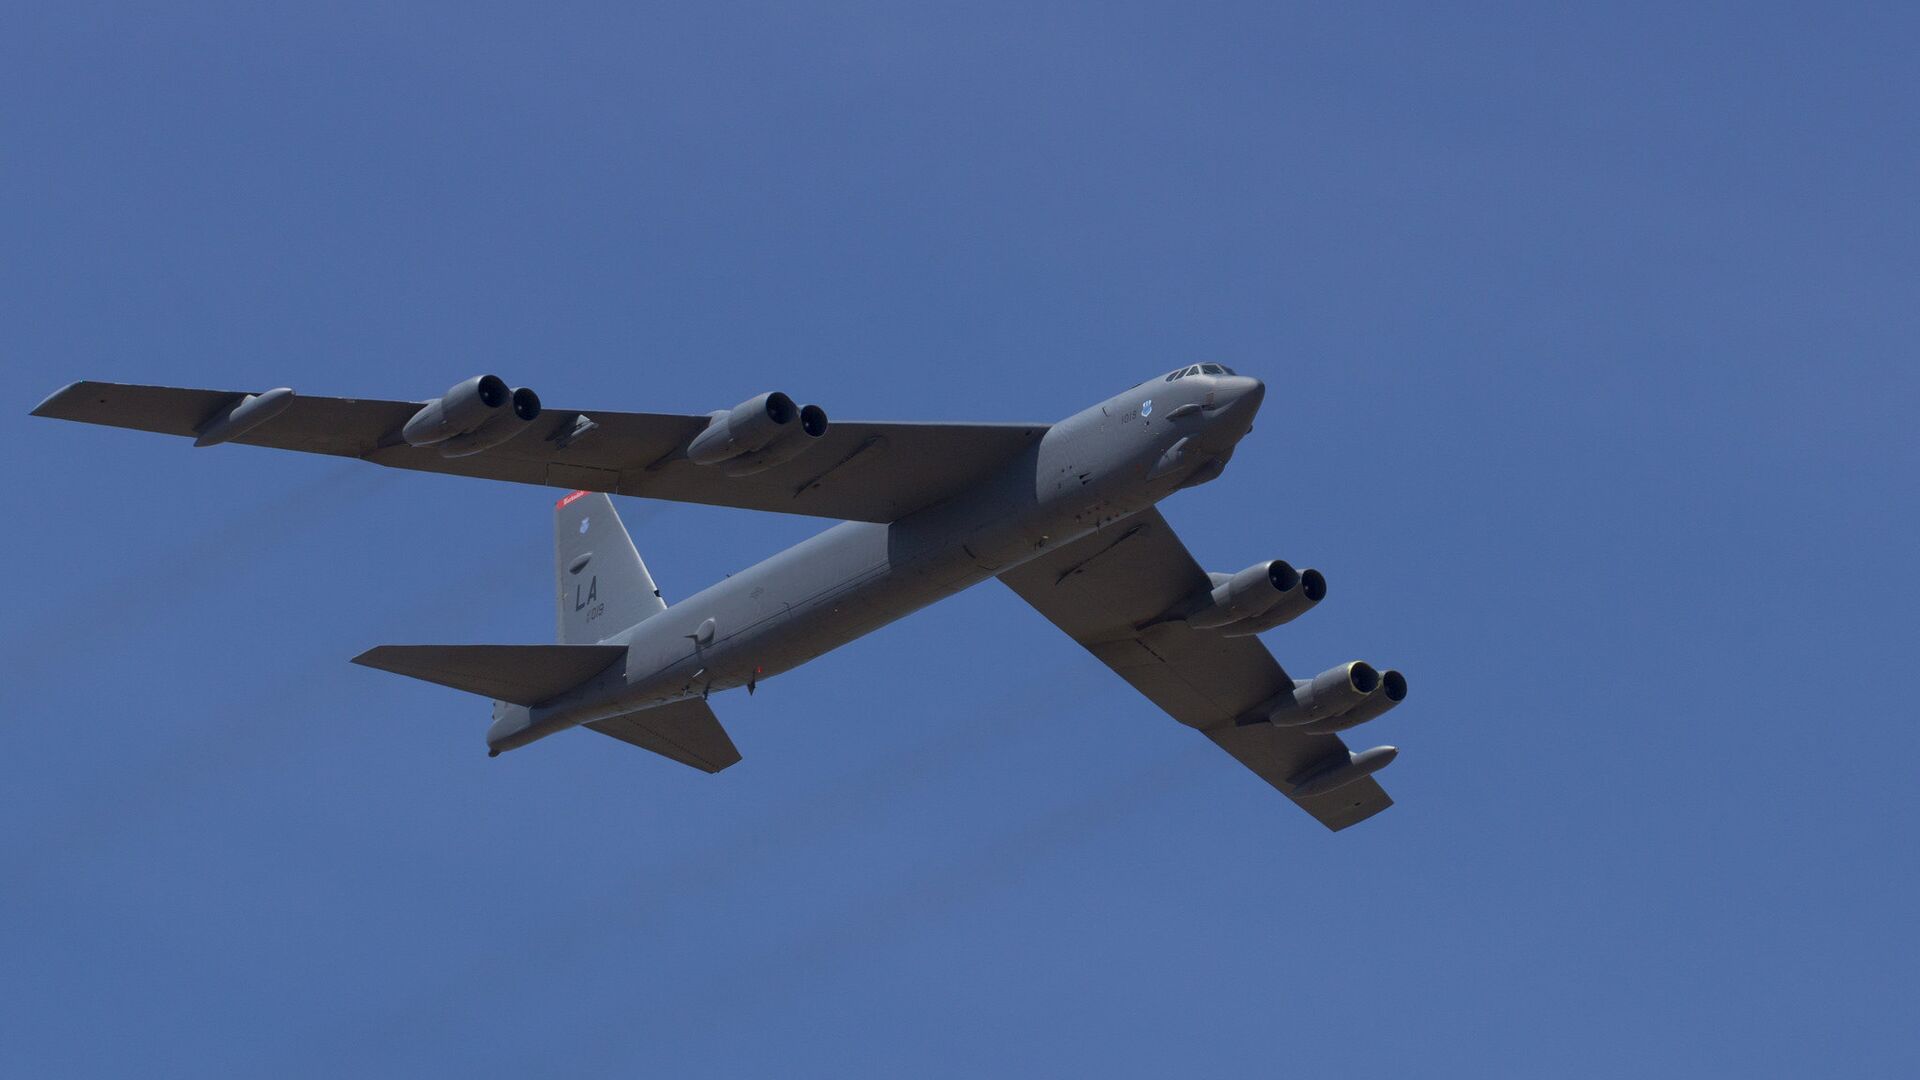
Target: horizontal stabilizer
686,731
521,674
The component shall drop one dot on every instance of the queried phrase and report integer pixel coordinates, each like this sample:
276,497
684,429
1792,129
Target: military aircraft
1062,513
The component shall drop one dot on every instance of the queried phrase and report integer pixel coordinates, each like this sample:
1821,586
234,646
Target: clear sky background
1589,339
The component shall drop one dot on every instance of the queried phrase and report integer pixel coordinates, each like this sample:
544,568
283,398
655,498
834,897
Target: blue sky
1589,342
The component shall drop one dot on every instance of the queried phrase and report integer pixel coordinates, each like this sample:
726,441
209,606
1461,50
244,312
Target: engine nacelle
462,409
1312,590
1250,592
504,424
1393,690
1331,693
790,444
749,426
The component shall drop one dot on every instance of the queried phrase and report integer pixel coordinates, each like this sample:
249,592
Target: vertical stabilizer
603,586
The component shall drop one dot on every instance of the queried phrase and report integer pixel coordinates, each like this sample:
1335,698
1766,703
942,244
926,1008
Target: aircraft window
1176,374
1212,369
1225,370
1194,370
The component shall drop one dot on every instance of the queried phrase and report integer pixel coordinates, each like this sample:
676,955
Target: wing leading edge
1102,588
858,471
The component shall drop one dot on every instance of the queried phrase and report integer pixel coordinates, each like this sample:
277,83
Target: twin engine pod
758,434
1259,598
1336,699
478,414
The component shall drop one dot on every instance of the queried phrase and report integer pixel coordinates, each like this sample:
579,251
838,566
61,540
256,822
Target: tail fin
603,587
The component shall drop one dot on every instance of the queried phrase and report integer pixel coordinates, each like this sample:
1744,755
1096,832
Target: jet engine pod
1393,690
504,424
789,444
747,427
462,409
1312,590
1328,694
1248,593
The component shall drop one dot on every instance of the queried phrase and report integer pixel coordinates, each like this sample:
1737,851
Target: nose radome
1249,393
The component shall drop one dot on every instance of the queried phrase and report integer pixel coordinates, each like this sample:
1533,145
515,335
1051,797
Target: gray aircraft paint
1062,514
1089,470
604,589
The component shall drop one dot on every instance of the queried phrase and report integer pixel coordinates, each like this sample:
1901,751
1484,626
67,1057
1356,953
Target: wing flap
686,731
521,674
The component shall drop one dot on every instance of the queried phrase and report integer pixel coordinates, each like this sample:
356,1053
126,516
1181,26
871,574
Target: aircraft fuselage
1090,470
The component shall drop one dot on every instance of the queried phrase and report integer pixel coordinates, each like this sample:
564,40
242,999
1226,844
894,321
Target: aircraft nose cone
1246,394
1237,398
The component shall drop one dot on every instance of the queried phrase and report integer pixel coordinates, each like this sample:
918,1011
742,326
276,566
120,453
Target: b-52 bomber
1062,513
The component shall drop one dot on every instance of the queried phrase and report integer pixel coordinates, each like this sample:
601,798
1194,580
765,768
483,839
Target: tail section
685,731
603,587
520,674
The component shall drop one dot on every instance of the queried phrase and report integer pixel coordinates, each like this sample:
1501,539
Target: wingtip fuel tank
243,416
1357,766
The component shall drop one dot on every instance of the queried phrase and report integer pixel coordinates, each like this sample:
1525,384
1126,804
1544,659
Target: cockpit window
1198,369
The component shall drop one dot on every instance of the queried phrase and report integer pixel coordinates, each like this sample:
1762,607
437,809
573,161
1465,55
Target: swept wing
1102,589
859,471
